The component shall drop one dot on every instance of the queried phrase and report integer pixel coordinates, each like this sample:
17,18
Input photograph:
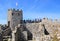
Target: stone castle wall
37,29
42,30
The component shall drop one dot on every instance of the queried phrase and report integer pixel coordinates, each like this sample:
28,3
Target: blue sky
31,9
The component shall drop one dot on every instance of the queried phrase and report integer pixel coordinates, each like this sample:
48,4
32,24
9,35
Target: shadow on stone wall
20,36
29,34
45,30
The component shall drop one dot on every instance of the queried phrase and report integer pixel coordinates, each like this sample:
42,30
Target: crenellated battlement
14,9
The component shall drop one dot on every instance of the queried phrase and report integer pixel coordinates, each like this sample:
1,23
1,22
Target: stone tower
15,17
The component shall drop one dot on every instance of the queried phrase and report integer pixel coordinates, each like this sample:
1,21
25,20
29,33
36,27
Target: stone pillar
13,34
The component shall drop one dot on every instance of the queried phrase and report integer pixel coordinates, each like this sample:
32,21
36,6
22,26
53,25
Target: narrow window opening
12,14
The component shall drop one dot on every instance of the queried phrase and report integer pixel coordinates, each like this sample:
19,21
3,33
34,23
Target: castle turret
15,17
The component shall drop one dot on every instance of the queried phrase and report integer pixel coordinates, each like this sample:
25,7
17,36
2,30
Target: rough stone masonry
30,30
